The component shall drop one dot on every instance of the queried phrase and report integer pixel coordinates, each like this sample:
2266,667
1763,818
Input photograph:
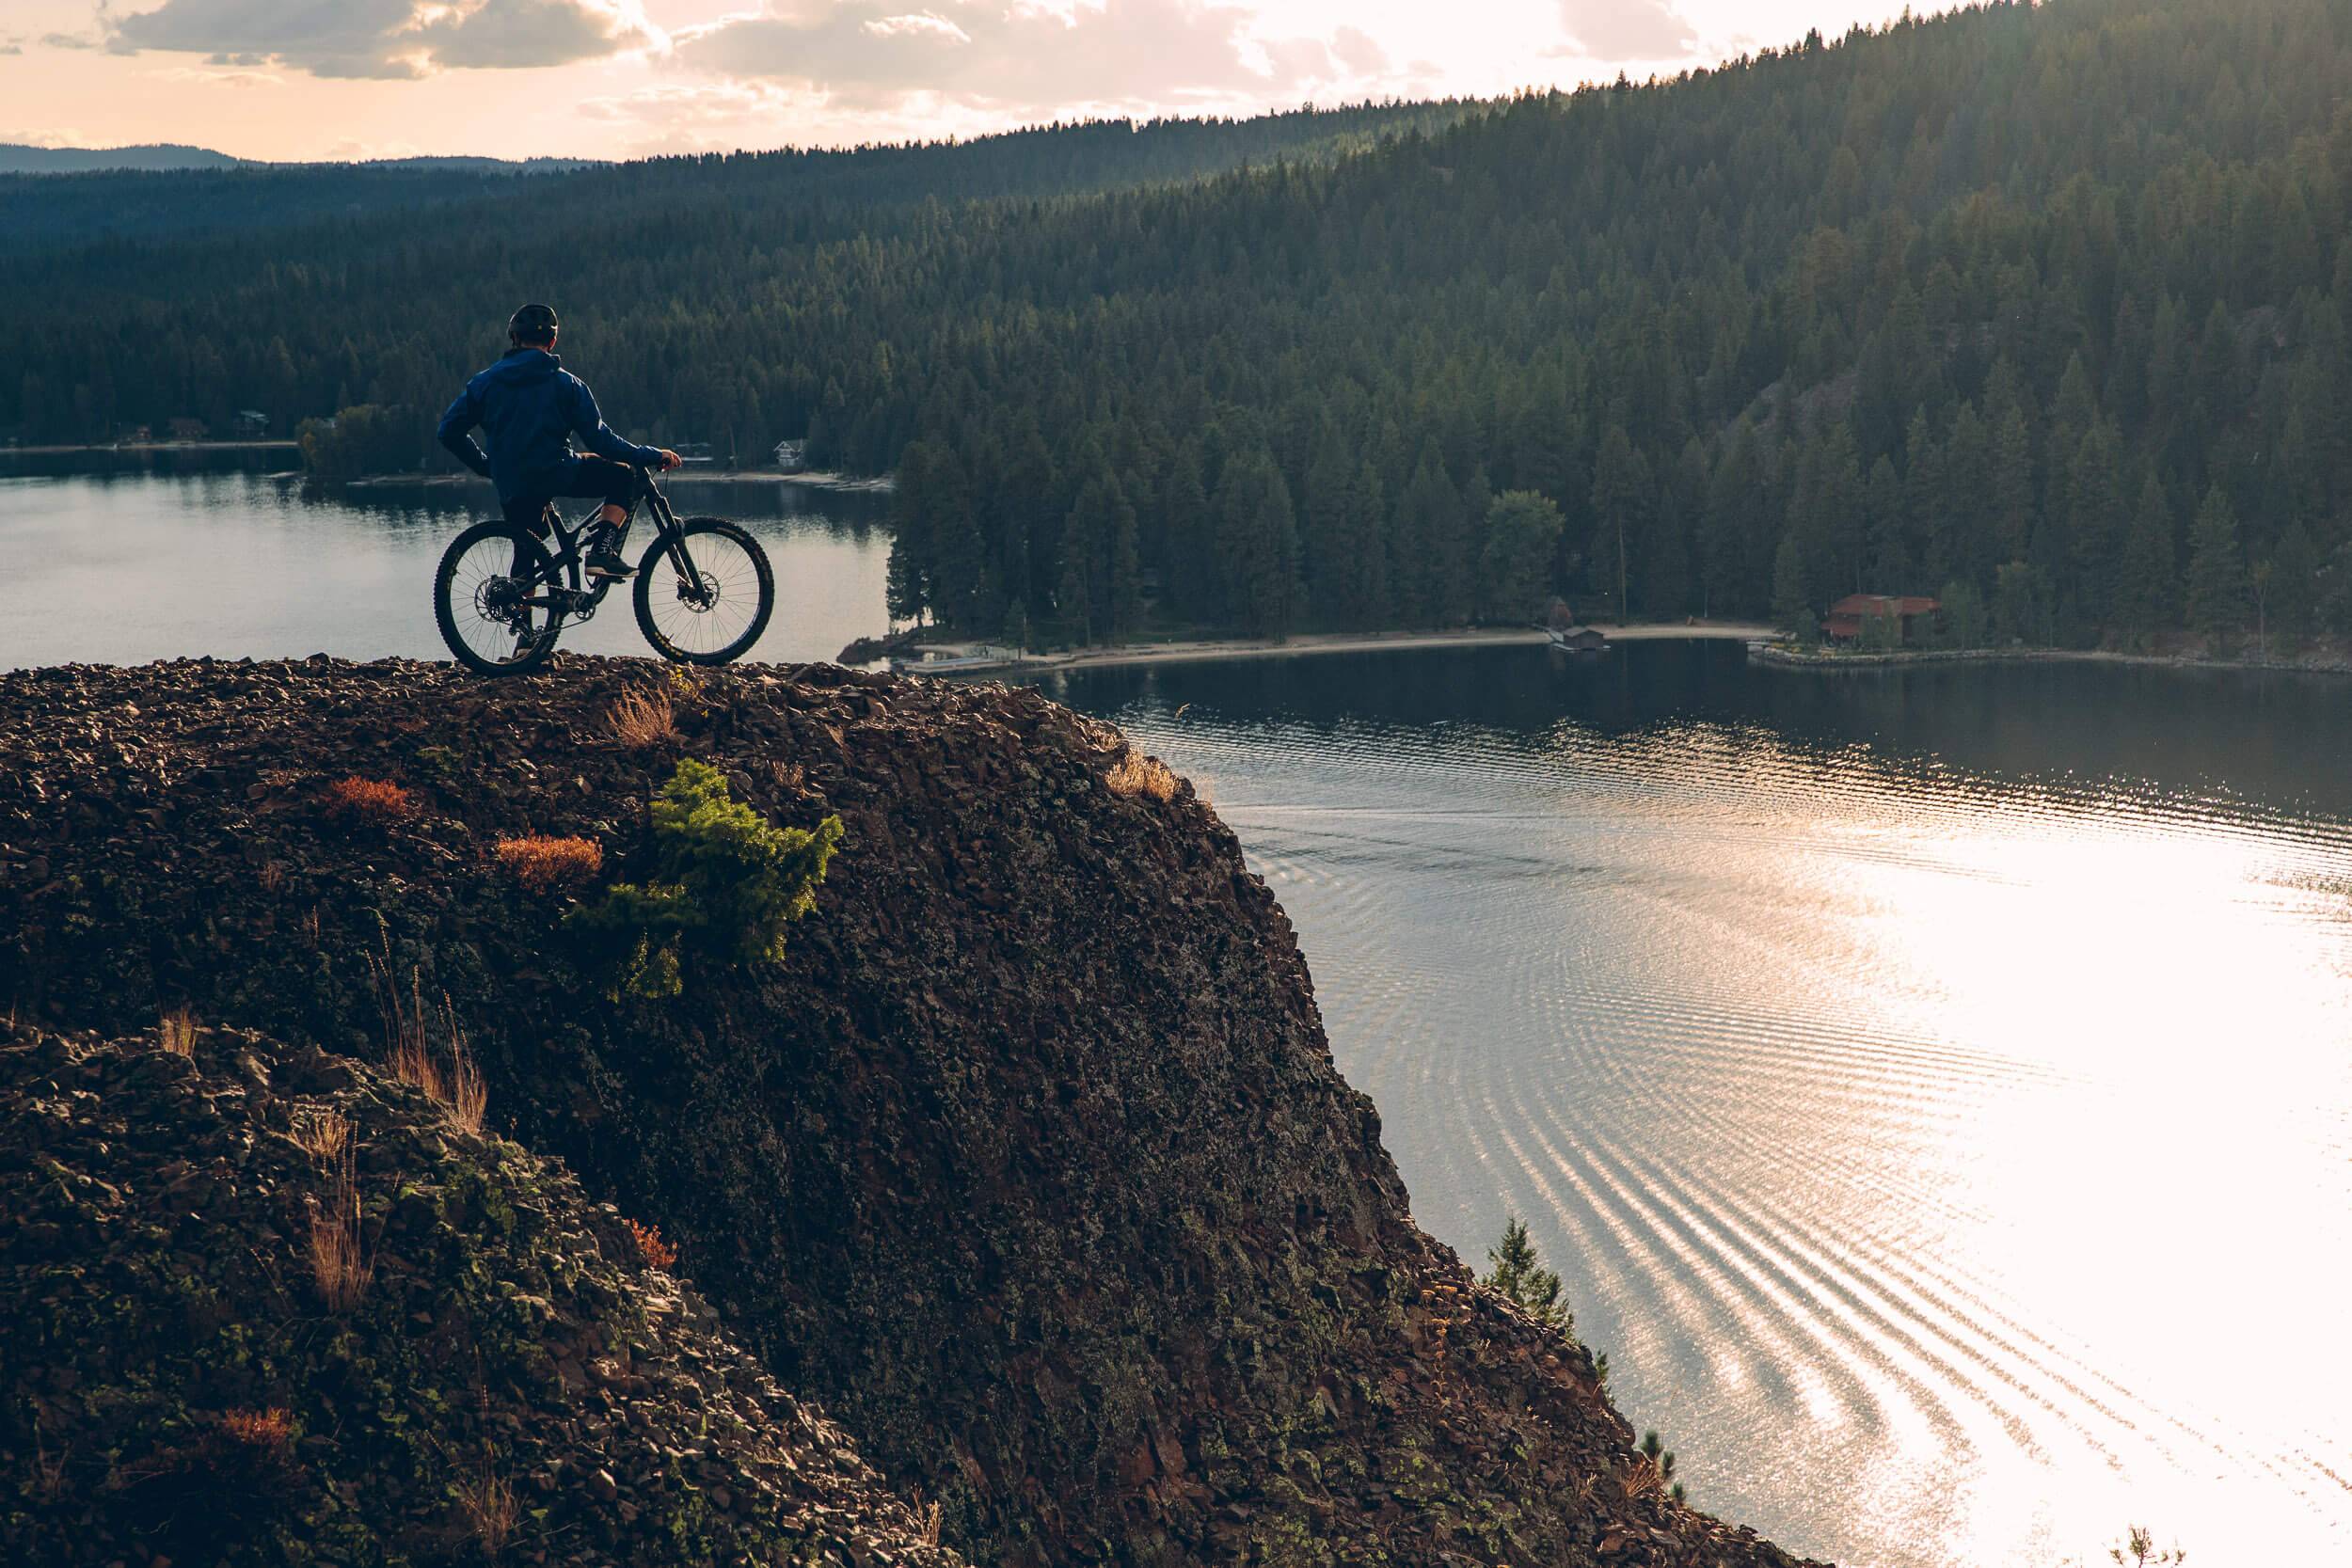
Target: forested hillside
19,158
48,214
2043,305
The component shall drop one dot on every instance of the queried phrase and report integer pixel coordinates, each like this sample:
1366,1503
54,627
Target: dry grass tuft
1136,774
176,1032
374,802
48,1477
272,877
322,1133
339,1262
488,1505
543,864
271,1429
1643,1479
456,1083
645,716
659,1253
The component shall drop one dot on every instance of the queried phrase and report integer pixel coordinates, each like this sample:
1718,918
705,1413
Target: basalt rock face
1027,1163
505,1375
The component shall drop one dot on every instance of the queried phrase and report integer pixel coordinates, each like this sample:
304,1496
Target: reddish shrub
543,864
259,1429
373,802
659,1253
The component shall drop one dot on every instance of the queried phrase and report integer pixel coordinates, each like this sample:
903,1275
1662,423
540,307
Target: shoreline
688,473
1201,650
1776,658
71,449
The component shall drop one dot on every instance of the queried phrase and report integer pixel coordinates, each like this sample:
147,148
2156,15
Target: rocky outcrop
1028,1162
499,1374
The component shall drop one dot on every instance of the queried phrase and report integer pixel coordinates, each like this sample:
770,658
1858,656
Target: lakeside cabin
1912,616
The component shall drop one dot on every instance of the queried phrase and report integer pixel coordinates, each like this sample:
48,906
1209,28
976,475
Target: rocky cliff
500,1370
1027,1163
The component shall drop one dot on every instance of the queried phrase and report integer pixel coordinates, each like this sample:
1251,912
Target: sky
315,79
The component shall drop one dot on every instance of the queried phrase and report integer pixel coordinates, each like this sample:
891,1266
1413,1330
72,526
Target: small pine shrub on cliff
2137,1549
1660,1463
725,883
1519,1274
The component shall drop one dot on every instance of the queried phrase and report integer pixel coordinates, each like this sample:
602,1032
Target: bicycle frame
561,577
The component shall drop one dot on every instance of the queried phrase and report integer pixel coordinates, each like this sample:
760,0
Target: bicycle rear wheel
712,613
493,598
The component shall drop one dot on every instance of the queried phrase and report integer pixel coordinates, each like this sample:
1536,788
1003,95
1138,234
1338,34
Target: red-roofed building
1911,614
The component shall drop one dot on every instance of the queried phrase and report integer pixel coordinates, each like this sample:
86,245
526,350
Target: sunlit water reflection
119,568
1934,1087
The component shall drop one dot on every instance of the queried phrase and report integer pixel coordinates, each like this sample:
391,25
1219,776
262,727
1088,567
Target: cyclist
530,407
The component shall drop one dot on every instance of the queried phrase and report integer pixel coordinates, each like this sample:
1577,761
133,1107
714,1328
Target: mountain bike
704,590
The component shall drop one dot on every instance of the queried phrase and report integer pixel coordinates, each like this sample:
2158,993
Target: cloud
386,37
68,40
1627,30
214,75
1032,56
928,24
683,106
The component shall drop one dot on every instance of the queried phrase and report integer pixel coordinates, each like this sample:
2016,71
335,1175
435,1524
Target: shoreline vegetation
989,658
71,449
813,479
1779,655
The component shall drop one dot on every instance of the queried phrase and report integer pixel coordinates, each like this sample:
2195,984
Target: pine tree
1962,615
1518,1274
1966,537
2010,485
1623,494
2022,614
1193,578
1430,534
1365,576
1726,576
2295,582
1259,533
906,588
2147,584
1662,1458
1890,564
2095,524
1791,612
2218,590
1523,531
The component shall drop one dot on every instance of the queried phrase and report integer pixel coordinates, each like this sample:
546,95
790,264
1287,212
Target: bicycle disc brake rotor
701,596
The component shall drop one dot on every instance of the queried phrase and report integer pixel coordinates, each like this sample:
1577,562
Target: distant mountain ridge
18,158
166,157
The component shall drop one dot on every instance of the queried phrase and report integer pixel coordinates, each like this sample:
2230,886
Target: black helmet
532,324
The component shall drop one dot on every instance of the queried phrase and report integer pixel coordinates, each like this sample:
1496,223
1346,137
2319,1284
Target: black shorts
578,477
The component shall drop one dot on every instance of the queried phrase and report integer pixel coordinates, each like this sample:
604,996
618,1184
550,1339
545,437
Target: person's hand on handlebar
669,459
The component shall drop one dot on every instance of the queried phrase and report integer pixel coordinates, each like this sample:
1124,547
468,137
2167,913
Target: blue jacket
529,407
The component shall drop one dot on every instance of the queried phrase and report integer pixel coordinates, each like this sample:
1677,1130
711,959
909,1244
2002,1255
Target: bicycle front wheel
495,600
705,598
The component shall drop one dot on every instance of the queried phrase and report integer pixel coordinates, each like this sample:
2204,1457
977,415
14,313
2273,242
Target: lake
1935,1086
206,553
